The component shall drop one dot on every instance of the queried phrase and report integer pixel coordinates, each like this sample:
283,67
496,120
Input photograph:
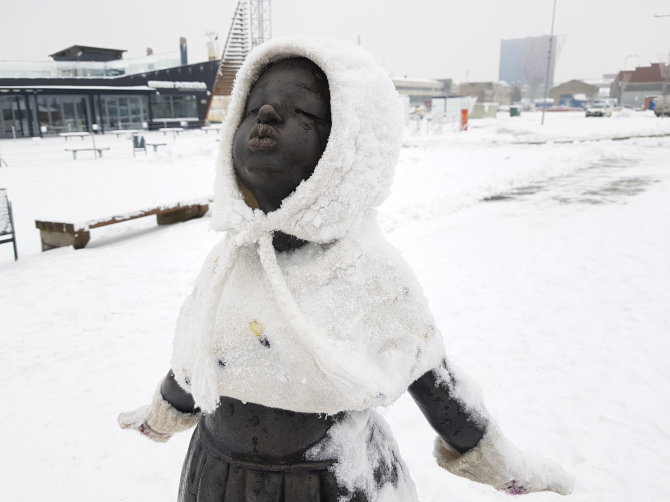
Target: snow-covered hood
355,171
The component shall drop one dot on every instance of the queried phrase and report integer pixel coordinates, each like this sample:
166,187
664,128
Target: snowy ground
543,251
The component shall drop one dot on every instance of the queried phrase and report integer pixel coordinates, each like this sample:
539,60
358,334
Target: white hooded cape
339,324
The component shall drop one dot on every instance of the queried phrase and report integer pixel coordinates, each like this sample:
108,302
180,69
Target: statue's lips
263,137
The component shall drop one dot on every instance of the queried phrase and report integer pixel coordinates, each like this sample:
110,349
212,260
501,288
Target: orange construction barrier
464,119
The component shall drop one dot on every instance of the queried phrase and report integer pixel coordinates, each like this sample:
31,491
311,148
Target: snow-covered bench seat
215,128
68,135
57,234
97,151
155,145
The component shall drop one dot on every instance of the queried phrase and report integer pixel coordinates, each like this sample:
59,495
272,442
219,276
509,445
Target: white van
662,106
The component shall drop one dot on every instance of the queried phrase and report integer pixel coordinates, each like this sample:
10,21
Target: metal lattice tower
261,21
251,26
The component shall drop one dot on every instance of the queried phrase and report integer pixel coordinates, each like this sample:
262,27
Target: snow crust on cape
357,166
340,324
364,310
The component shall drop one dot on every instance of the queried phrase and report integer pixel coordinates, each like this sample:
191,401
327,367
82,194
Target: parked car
599,109
662,106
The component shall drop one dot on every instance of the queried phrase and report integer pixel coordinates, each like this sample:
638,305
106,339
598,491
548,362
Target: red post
464,119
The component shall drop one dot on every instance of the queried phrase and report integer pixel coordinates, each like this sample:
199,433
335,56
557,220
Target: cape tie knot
251,235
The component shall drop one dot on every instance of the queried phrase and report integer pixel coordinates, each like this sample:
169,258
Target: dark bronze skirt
245,452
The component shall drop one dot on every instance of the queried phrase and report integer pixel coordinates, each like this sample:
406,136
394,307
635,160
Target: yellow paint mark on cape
256,328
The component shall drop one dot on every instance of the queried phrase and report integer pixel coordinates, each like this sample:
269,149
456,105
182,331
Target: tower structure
251,26
524,62
261,21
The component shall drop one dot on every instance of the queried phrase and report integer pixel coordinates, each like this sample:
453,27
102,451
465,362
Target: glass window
185,106
62,113
6,116
161,106
172,107
124,112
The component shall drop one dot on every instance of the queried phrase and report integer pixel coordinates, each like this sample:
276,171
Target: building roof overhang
112,53
133,88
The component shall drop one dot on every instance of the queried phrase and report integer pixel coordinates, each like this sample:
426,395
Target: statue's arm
469,444
171,410
174,394
459,427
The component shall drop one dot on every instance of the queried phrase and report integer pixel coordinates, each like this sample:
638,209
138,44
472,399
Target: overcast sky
417,38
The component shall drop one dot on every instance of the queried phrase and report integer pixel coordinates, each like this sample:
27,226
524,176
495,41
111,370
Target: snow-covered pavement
546,267
556,301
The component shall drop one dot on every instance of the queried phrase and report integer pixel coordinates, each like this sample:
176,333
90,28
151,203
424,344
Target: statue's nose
268,115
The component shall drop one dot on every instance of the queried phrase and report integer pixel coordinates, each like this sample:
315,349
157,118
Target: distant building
523,62
489,92
86,53
603,84
421,91
92,88
566,92
633,87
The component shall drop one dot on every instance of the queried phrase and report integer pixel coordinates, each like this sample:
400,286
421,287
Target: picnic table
97,151
155,145
57,234
174,130
122,132
211,128
68,135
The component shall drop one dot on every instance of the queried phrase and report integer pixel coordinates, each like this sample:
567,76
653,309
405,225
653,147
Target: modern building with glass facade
89,89
523,62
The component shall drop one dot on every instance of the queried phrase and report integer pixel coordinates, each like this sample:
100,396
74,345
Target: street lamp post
665,74
665,69
546,80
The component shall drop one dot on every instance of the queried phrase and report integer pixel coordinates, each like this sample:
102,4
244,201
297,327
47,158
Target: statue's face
284,130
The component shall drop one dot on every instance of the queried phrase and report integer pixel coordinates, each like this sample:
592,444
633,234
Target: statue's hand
137,419
497,462
159,420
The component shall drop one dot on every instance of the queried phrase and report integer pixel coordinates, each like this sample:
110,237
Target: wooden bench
98,151
68,135
55,234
